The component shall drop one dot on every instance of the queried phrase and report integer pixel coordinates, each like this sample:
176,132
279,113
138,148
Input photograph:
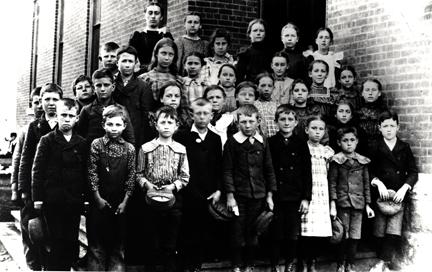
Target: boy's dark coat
292,166
59,170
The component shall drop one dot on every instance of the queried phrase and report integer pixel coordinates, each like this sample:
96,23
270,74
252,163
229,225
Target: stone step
11,239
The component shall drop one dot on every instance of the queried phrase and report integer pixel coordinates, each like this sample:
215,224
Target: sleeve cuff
178,184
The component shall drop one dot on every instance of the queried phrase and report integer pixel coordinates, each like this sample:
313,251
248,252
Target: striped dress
317,221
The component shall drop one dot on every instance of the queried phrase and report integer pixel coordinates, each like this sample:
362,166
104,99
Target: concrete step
11,239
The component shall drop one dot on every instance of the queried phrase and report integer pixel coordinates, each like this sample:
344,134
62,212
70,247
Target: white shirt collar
390,144
240,137
201,135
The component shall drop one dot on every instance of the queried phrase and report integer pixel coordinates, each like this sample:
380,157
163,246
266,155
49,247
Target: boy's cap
337,231
262,222
389,207
219,211
160,199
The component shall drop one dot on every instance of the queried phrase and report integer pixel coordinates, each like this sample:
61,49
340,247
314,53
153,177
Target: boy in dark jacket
349,194
292,164
392,167
58,185
249,179
204,152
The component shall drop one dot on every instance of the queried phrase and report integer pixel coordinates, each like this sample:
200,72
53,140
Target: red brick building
387,41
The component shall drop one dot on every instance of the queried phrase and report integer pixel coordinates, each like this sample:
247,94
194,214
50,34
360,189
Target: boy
51,93
133,94
30,252
108,57
248,180
163,165
111,174
392,167
204,152
349,194
191,41
292,163
90,119
58,185
83,91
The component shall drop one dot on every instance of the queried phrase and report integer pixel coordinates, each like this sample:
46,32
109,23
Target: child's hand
400,194
215,196
170,187
270,203
333,210
121,208
304,206
370,213
102,203
382,189
149,186
232,204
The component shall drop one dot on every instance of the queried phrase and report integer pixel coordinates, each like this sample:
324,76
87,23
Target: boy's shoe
349,267
341,267
291,266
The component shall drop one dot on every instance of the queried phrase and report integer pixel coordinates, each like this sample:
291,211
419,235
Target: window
34,49
95,26
59,43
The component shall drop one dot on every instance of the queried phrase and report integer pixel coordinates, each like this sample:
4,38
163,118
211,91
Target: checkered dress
317,221
267,110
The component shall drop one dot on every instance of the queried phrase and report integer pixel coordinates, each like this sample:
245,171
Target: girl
297,63
145,41
256,58
163,67
321,95
194,84
350,194
323,40
266,107
344,117
316,224
220,41
221,120
191,41
371,107
348,90
282,83
227,80
303,106
171,95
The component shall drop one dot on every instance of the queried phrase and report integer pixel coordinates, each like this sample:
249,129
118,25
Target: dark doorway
308,15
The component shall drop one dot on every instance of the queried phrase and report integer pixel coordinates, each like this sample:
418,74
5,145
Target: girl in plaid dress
316,224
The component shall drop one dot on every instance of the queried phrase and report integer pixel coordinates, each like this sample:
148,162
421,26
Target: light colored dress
267,111
317,222
332,60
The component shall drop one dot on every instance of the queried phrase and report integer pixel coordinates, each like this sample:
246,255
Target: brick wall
233,15
392,41
74,42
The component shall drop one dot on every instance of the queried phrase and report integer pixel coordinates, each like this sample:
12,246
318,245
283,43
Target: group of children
262,133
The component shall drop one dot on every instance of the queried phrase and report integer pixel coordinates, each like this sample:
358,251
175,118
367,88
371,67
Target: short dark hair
200,102
35,91
110,46
285,108
218,33
128,49
170,83
388,114
261,76
246,84
345,130
317,117
212,88
345,102
79,79
196,54
281,55
113,111
325,29
166,111
318,61
69,103
51,88
102,73
227,65
374,80
346,68
247,110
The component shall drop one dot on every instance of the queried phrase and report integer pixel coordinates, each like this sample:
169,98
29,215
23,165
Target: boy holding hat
392,168
163,169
